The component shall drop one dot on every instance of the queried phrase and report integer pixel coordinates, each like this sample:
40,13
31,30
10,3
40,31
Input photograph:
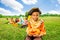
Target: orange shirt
35,28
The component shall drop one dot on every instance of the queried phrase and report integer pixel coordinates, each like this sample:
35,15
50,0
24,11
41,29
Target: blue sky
17,7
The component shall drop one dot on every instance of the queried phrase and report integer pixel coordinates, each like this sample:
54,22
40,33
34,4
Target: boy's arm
42,29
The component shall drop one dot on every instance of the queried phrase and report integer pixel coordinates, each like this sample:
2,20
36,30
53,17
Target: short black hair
34,10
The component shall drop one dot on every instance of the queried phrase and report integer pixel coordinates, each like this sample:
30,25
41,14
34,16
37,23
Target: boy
35,29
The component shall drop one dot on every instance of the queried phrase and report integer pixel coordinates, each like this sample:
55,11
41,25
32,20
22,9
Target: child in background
21,20
16,20
12,21
35,29
24,23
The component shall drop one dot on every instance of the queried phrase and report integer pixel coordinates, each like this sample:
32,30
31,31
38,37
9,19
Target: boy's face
35,16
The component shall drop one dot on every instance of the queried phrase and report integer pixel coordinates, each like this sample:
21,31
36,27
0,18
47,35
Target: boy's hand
38,35
41,35
30,35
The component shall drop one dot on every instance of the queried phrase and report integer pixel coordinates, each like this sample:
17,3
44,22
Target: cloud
7,12
30,2
13,4
57,5
58,1
53,12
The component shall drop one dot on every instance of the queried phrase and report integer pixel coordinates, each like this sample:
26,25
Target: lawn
8,32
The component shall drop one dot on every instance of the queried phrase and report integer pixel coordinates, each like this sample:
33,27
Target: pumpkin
34,32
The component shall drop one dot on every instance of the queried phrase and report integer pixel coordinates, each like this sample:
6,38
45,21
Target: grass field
8,32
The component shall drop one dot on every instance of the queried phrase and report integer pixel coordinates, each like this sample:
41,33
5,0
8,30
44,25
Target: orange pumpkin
34,32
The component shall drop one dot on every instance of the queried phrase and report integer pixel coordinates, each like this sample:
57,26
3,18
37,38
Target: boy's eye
33,15
36,15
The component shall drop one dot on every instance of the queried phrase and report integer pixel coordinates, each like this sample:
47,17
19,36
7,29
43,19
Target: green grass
8,32
52,25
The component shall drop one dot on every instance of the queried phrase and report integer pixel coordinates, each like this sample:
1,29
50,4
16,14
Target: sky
17,7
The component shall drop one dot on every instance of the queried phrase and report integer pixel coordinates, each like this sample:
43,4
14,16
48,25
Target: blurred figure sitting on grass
12,21
17,20
24,24
21,20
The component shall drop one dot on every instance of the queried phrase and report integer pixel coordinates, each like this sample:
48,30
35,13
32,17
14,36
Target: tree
0,15
26,14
